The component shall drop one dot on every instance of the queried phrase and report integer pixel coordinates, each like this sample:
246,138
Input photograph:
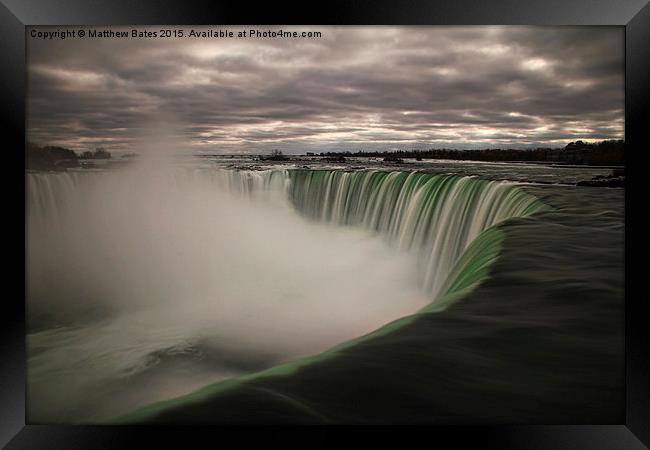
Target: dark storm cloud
377,87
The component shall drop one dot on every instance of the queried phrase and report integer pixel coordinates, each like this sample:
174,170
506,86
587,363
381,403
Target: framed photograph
364,213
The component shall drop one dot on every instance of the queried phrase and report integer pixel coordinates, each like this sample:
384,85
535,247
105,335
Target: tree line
605,153
52,157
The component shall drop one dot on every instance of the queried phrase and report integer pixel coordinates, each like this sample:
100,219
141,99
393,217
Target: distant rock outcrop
615,179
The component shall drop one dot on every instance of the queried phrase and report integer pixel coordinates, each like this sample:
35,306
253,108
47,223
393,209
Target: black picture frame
16,14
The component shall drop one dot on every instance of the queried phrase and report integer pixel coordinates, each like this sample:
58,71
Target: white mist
149,282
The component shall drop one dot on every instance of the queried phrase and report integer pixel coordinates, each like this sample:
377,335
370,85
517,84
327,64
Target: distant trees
599,153
58,158
99,153
276,155
605,153
49,157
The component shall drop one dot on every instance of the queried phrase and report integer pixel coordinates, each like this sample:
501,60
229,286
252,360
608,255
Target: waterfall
140,275
50,193
435,217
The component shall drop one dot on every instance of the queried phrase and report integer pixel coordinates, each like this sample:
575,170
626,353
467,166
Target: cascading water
434,216
215,265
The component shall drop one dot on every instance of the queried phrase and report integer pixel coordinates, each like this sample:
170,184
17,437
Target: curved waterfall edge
490,242
467,274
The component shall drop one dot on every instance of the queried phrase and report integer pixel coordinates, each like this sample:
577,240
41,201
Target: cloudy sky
354,88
